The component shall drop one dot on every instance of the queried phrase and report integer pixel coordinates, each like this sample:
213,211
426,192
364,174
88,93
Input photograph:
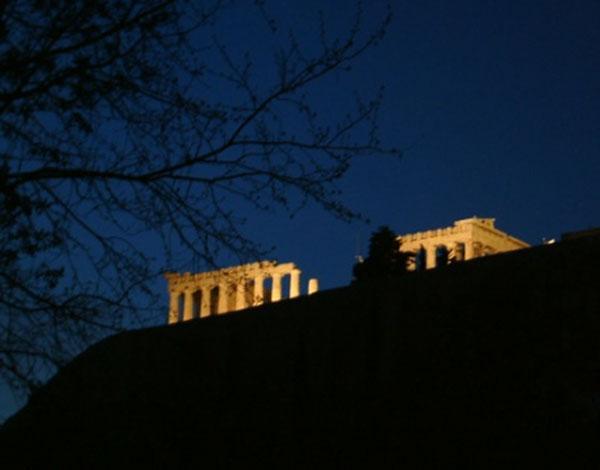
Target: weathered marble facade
230,289
466,239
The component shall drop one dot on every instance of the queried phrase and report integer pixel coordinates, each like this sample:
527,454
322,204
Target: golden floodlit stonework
231,289
226,290
466,239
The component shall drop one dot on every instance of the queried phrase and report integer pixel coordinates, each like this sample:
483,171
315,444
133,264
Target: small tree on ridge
385,259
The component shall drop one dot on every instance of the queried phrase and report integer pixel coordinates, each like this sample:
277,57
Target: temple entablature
204,294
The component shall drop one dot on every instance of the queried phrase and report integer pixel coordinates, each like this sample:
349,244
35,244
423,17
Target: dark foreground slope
494,361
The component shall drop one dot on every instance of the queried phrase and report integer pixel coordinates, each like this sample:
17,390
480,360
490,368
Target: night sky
495,105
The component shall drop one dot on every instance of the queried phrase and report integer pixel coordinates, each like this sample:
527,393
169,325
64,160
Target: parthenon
466,239
213,293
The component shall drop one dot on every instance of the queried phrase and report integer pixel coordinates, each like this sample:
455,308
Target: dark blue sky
497,108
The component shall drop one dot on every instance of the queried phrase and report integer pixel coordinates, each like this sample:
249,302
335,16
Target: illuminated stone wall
231,289
466,239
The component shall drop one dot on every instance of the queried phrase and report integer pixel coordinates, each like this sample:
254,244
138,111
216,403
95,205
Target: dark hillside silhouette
492,362
130,130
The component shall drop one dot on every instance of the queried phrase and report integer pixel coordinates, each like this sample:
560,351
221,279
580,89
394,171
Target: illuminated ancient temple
466,239
231,289
216,292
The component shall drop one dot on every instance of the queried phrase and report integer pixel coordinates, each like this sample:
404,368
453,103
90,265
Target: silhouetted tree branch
121,120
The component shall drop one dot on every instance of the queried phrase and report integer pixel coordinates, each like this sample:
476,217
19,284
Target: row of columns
239,289
462,251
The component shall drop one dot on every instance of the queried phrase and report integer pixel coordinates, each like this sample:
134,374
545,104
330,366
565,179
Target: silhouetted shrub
385,259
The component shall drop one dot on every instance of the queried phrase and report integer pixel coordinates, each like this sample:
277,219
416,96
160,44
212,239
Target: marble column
469,252
313,286
173,306
188,302
222,306
259,290
430,256
205,307
459,251
240,293
294,283
276,288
